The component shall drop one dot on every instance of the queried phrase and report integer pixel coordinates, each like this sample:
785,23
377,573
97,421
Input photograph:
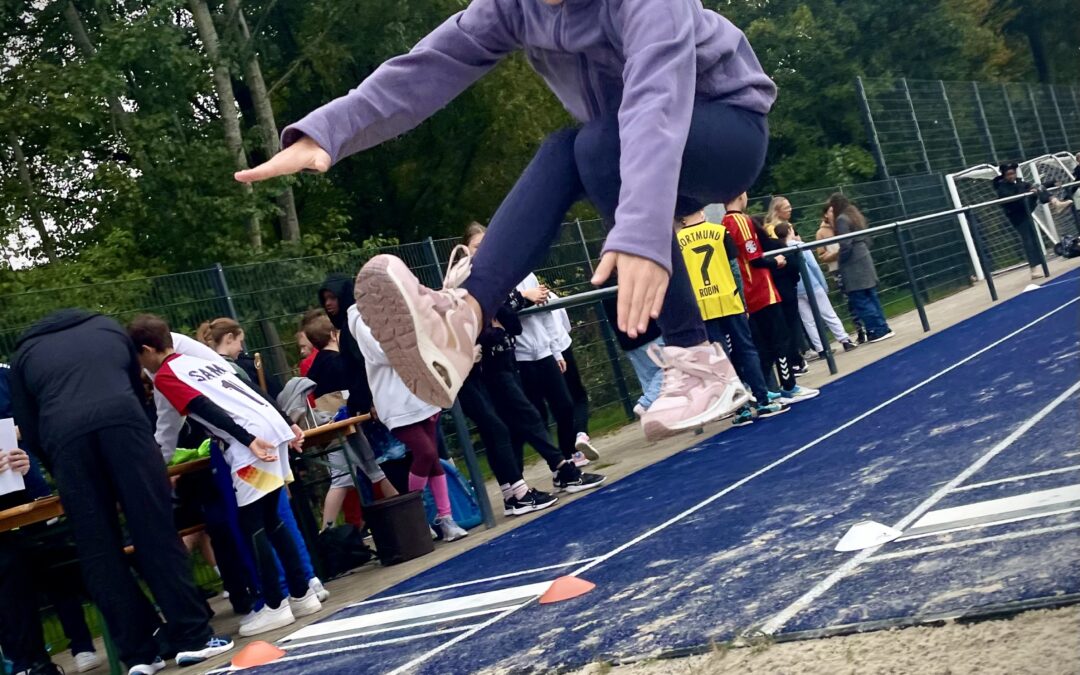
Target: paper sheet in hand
10,481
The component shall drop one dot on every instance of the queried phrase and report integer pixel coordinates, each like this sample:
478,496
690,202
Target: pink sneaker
429,336
700,385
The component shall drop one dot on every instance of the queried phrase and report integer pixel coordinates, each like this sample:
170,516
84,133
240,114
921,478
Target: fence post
1061,120
1038,119
223,290
434,255
1012,118
952,122
461,428
983,123
916,292
984,258
819,323
915,119
903,209
875,141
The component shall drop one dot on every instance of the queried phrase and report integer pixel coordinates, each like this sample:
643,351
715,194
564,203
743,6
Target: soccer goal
998,237
1058,216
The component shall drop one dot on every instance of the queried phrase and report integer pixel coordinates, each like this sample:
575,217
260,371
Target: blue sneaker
775,396
796,394
771,410
743,418
147,668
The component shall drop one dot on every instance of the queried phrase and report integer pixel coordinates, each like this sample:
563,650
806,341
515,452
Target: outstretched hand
642,285
264,450
303,155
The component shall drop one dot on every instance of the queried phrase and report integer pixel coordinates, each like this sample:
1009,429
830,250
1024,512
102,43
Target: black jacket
1019,211
359,389
74,372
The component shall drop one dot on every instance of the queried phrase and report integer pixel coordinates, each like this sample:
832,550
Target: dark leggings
422,443
521,417
584,162
772,338
578,394
498,444
546,389
261,524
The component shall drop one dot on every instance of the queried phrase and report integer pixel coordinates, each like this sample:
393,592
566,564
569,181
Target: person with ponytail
857,271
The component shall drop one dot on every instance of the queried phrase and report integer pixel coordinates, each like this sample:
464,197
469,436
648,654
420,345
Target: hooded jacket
646,61
359,390
74,372
1019,211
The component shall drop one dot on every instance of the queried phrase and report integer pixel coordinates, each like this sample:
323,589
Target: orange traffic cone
565,588
257,653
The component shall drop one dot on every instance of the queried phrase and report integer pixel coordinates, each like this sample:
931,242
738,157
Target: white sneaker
798,393
307,605
451,531
85,661
267,619
140,669
316,585
585,447
639,410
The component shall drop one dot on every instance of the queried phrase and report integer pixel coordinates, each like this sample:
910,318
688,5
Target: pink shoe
429,336
700,386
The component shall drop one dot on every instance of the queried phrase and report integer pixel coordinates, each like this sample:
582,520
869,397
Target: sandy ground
623,453
1046,642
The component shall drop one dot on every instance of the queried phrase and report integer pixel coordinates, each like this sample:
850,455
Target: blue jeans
284,510
733,333
867,307
576,163
648,373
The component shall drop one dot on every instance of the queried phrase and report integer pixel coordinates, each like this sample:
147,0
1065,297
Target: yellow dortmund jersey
706,260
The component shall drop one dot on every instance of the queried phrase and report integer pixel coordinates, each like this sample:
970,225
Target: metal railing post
984,258
461,428
223,288
913,284
875,140
952,122
819,323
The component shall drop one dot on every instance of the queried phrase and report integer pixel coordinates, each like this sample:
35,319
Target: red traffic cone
565,588
257,653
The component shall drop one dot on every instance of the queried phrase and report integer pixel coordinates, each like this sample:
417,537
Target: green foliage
131,176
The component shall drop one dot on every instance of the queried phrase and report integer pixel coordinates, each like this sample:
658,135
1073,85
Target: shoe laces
677,365
457,271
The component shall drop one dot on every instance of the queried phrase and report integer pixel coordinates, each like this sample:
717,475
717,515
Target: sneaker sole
724,406
772,414
588,450
460,536
304,610
884,337
788,401
386,309
534,508
741,424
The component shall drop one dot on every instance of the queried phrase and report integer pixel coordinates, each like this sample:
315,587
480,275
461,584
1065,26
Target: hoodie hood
342,286
54,323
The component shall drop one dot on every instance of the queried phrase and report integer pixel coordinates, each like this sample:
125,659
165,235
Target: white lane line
382,631
795,453
1003,521
778,620
447,609
1008,536
350,648
992,510
1014,479
462,584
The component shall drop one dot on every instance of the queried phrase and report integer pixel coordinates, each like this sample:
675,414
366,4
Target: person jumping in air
660,87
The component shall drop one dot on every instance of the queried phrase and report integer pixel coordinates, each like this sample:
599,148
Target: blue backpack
463,503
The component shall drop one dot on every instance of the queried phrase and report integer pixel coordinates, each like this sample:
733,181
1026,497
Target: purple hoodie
644,60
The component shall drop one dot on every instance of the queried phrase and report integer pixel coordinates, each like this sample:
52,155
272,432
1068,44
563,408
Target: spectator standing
857,268
1018,213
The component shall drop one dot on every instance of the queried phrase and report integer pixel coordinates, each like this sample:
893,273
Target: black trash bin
399,528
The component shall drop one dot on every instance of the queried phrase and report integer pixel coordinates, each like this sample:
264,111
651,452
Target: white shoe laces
677,366
458,269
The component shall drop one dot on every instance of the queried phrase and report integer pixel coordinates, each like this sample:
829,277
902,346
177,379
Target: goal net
1058,217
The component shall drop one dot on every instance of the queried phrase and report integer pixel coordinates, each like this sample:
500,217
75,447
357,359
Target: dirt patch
1046,642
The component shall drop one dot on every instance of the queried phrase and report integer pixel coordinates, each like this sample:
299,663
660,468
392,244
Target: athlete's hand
303,155
537,296
642,284
297,443
781,261
264,450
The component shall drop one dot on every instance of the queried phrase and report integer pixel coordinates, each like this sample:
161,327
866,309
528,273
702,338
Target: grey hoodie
644,60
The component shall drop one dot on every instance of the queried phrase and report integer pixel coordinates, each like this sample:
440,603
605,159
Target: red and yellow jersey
758,286
706,258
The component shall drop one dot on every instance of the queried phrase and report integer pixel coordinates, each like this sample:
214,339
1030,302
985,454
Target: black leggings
773,339
578,394
477,404
261,524
546,389
521,417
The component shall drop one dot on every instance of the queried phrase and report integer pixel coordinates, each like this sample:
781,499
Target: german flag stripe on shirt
758,286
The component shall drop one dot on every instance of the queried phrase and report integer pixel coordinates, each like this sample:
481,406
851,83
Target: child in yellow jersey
712,263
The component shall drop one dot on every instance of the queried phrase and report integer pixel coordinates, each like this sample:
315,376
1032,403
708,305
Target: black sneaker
743,418
215,645
569,478
883,336
44,668
861,337
772,409
799,371
849,346
534,500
